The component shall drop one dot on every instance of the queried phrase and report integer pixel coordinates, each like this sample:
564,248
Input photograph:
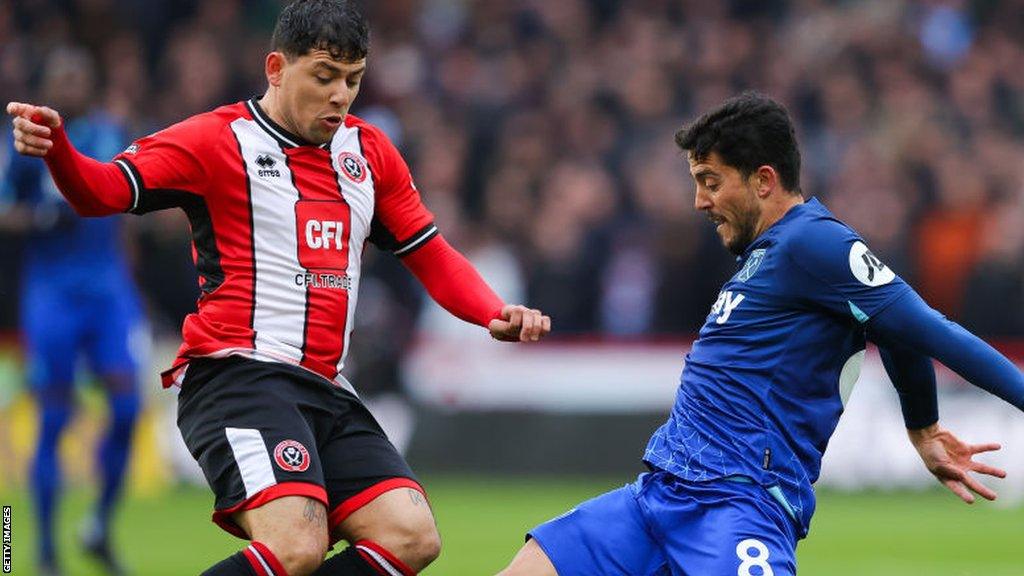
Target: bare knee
530,561
416,545
299,555
293,528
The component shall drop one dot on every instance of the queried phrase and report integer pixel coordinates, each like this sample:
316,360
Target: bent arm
917,327
453,282
92,188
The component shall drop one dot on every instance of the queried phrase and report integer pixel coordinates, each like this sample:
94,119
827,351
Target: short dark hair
748,131
337,26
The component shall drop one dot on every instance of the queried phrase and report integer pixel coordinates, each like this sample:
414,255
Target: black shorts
264,430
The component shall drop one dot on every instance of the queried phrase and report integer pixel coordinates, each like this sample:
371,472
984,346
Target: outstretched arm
947,457
454,284
92,188
911,322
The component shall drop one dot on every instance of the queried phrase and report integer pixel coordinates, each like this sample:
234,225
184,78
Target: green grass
482,521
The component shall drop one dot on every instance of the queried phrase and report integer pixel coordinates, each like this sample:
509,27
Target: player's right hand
33,127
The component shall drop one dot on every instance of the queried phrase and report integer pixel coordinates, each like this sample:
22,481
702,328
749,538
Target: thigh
117,337
51,328
363,469
723,528
242,422
605,535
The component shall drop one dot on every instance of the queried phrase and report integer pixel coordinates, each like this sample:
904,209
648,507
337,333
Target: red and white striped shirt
278,227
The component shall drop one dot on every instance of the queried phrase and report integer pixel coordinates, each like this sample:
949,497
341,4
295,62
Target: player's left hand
520,324
951,460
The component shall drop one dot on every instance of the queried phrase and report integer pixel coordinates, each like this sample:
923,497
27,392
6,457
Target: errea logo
266,165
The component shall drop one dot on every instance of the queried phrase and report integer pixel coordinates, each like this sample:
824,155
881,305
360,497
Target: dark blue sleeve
916,326
833,269
913,376
21,179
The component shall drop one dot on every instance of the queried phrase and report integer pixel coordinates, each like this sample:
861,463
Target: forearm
913,376
92,188
453,282
911,322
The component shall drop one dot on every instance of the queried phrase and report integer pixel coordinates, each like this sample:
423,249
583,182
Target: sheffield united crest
291,456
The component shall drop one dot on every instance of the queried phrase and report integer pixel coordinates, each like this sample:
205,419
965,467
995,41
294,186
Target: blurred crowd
540,133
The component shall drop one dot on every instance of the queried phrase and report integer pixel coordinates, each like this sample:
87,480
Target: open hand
951,460
519,324
33,127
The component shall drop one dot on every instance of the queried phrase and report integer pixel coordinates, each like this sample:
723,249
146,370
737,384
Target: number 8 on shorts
753,554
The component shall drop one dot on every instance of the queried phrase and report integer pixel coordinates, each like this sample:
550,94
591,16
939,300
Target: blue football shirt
66,249
765,383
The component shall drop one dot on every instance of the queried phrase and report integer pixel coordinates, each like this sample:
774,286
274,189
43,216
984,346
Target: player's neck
269,104
775,208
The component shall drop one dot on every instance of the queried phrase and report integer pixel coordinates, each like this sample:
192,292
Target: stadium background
540,133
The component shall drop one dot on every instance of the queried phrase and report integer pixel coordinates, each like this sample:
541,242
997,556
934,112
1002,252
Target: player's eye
353,82
324,80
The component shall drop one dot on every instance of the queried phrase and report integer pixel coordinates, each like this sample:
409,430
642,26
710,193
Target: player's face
728,200
316,92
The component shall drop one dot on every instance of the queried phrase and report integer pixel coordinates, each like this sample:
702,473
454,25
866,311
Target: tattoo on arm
315,513
415,496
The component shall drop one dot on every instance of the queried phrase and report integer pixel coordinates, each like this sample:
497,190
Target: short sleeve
165,168
401,222
834,268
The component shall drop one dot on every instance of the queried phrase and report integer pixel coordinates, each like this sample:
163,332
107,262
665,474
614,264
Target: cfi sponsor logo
291,456
353,166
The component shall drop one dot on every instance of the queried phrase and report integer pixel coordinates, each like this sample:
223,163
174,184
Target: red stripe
223,518
256,566
346,508
391,558
269,558
326,306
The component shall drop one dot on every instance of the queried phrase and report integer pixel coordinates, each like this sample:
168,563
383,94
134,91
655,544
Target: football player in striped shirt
283,193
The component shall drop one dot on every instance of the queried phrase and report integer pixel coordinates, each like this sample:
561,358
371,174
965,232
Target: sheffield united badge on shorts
291,456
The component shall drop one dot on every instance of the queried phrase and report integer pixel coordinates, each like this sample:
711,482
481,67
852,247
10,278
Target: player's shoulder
216,119
814,233
371,135
204,125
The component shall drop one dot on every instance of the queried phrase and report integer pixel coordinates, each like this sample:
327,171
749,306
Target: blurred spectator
545,124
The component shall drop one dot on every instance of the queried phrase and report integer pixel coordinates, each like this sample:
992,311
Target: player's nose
342,97
701,200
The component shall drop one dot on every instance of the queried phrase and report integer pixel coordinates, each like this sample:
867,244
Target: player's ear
274,67
765,180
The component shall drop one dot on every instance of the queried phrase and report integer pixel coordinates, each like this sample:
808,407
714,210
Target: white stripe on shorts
252,458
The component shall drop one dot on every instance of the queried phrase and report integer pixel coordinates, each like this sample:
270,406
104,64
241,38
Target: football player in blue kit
729,491
77,297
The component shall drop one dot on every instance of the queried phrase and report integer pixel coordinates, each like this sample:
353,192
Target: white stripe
263,562
136,188
417,242
252,459
280,307
391,570
265,125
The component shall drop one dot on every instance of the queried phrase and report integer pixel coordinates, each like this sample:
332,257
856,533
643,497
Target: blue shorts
661,525
60,323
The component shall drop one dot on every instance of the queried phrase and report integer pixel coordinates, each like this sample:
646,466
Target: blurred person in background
283,192
730,484
77,298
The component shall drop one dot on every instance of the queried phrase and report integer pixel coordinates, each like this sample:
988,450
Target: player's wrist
923,432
